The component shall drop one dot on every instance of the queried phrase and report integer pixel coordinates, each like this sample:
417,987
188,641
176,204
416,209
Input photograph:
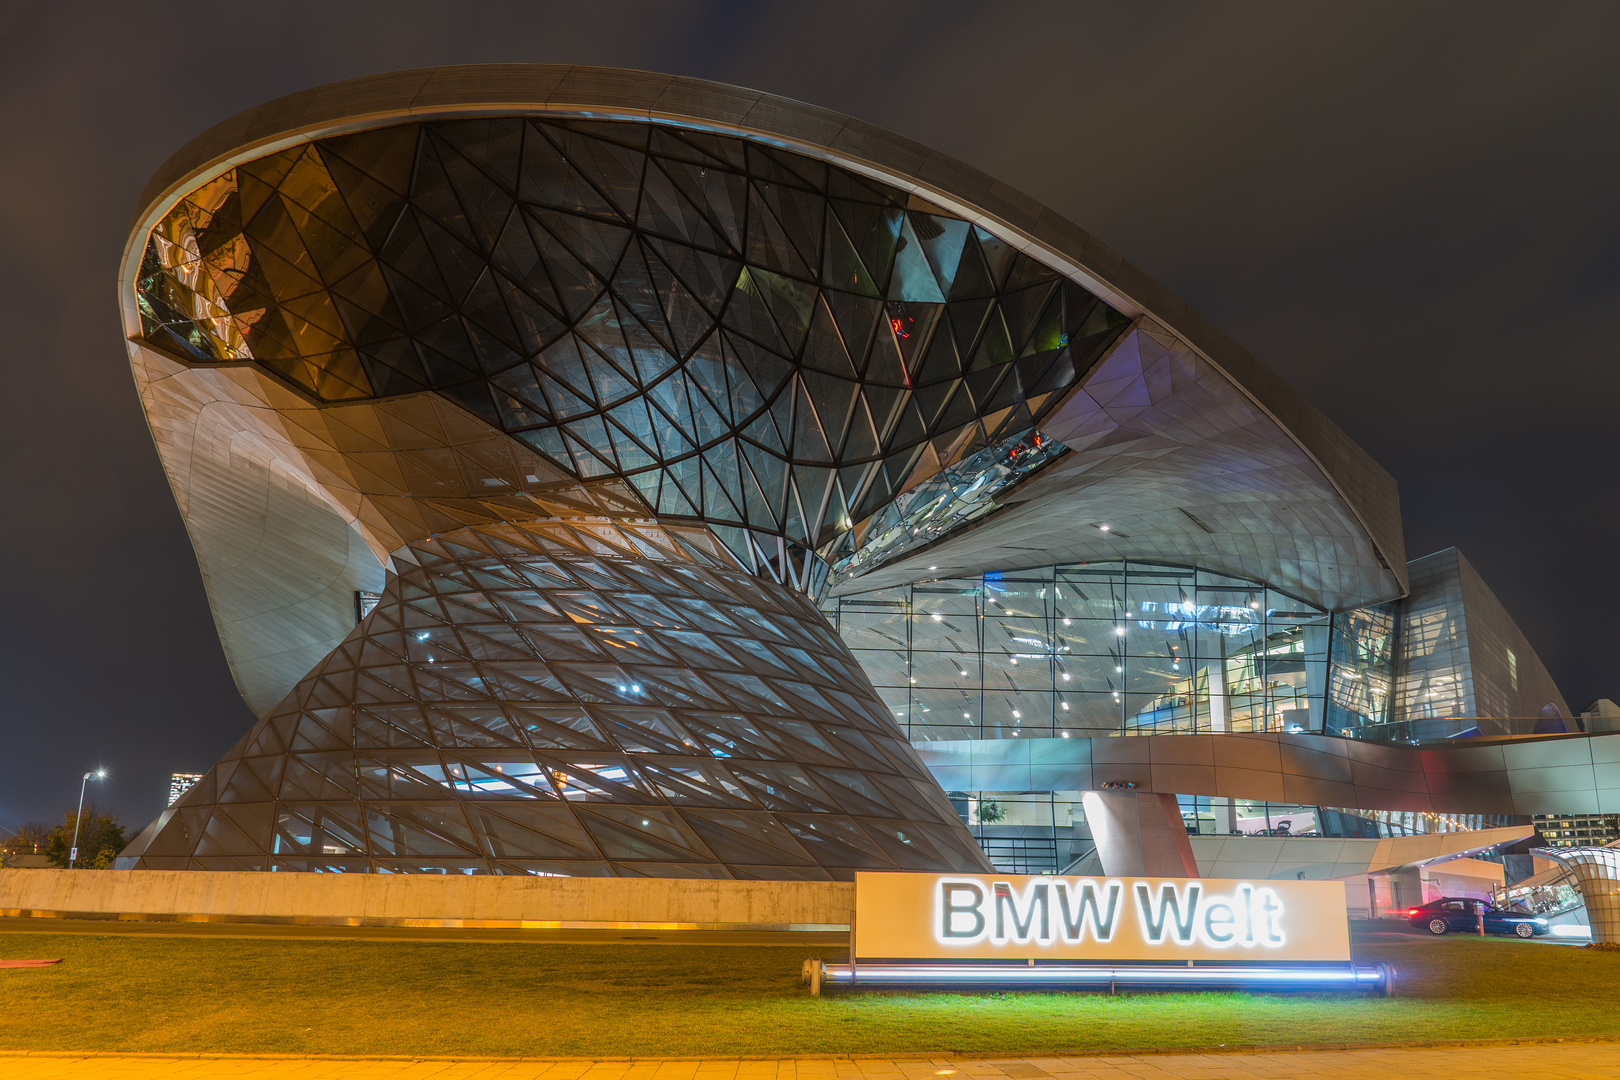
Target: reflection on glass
1359,683
958,495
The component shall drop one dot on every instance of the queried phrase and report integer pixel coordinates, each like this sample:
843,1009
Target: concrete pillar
1139,834
1405,889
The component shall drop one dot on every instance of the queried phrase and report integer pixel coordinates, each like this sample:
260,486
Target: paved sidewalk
1558,1061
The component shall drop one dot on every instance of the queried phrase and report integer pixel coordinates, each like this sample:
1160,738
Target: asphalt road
1394,930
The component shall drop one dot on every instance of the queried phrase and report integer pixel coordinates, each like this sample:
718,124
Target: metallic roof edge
621,94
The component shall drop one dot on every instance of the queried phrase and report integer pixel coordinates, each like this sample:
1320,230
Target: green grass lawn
387,997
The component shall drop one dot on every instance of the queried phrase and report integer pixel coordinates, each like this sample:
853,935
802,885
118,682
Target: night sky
1409,211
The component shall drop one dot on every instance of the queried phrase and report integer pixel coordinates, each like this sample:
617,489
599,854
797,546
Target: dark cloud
1407,210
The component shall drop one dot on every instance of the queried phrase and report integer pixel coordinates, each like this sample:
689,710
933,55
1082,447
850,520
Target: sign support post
852,973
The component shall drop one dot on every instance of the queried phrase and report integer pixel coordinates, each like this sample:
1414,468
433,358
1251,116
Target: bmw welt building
603,473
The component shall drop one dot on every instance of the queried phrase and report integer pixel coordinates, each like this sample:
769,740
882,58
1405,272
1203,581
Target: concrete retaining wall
426,899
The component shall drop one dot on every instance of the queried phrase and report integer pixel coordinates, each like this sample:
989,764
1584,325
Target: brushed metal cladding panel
1311,791
817,127
1235,783
1365,775
1183,778
1248,752
1139,773
1557,802
1254,869
1477,801
1007,761
610,87
1552,778
1054,765
1002,752
1552,753
1382,755
1123,751
1183,750
1394,798
948,754
1314,760
1311,849
1466,759
505,83
1463,783
1058,751
1469,778
1056,776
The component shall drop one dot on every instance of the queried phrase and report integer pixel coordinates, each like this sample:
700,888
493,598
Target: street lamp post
73,855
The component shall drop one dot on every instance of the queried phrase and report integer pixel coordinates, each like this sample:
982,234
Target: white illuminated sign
953,916
1070,910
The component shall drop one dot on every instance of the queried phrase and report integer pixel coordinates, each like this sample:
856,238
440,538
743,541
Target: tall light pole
73,855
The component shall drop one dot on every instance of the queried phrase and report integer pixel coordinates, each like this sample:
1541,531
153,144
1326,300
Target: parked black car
1461,915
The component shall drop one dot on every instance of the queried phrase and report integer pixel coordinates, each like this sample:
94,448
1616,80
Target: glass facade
723,331
1434,663
954,497
1361,672
1097,648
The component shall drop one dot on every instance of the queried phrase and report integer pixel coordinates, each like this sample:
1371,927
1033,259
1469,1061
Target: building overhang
1564,774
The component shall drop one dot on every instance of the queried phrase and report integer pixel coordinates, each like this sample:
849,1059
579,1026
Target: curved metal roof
1207,454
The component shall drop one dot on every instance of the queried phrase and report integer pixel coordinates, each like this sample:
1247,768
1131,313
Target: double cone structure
579,416
527,698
